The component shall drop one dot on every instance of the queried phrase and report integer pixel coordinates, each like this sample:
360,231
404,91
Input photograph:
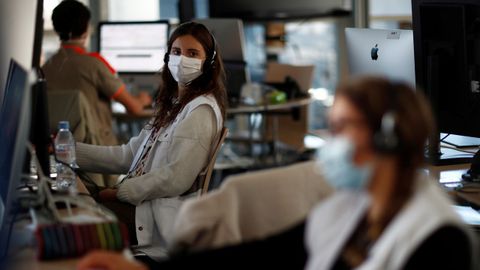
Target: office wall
17,23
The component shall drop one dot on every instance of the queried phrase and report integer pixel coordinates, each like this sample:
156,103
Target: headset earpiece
214,53
385,140
212,61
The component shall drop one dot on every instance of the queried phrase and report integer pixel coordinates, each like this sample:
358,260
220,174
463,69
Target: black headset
385,140
211,62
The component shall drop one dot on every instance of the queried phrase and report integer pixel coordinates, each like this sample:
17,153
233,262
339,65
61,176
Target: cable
81,174
458,149
444,137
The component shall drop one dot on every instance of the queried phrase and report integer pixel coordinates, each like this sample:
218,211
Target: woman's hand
108,195
108,261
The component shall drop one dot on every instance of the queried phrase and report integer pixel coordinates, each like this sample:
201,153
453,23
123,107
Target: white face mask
184,69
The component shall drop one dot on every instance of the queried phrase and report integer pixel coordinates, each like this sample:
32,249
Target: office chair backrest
72,106
206,174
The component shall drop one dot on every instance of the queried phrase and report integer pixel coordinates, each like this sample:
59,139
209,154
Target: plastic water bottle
65,152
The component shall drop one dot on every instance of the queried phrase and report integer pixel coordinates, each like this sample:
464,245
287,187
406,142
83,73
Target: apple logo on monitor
374,52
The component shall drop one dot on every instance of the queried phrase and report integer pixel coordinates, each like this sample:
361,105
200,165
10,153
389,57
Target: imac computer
14,132
134,47
447,57
387,53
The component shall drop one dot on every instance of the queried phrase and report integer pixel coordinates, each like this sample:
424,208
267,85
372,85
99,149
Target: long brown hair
413,125
210,82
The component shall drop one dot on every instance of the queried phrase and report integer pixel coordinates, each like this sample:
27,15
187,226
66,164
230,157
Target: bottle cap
63,125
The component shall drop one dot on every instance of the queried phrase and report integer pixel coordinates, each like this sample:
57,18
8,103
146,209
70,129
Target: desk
246,109
25,260
23,254
290,132
242,109
269,132
451,176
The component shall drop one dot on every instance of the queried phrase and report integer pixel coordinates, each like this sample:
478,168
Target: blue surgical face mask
335,162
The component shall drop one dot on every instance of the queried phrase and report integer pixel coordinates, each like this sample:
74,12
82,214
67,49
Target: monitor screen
387,53
229,37
134,47
40,128
14,131
447,51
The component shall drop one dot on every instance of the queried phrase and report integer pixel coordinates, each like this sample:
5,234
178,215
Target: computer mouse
473,174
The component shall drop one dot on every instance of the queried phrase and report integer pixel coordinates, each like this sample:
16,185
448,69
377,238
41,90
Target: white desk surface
26,258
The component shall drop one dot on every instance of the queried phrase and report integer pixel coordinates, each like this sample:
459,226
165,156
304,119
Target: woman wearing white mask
162,163
384,214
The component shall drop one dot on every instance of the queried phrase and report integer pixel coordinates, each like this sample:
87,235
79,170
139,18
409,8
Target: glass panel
139,10
313,42
255,50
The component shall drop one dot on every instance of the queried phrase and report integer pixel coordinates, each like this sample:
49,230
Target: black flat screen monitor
14,131
40,129
447,58
134,47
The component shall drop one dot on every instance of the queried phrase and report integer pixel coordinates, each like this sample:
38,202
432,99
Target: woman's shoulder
208,100
201,100
429,196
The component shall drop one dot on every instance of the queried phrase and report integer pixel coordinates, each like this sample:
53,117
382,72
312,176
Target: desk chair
253,205
205,176
72,106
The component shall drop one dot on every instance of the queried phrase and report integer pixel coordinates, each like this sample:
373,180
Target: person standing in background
73,68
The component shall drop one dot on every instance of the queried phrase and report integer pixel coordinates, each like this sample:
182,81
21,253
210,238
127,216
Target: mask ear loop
166,58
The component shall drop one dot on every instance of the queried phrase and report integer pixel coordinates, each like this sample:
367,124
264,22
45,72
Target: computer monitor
387,53
230,39
229,36
40,128
134,47
447,54
14,131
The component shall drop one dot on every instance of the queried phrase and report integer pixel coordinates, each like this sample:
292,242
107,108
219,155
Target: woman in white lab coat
162,163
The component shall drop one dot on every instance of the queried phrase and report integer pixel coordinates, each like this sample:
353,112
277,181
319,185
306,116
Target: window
138,10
